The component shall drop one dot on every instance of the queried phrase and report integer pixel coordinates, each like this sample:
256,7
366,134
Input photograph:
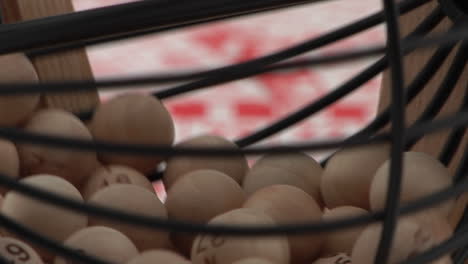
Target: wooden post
70,65
431,144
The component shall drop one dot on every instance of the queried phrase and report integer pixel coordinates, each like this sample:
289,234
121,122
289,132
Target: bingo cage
423,107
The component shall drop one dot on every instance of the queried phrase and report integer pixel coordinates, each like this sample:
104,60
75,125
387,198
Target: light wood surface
72,65
413,64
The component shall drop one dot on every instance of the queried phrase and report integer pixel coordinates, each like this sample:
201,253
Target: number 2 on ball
215,241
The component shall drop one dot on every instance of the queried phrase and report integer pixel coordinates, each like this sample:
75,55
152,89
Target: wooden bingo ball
159,256
337,259
253,261
410,238
18,252
17,108
235,166
103,243
422,175
348,175
136,200
10,161
112,174
198,197
133,119
290,205
71,164
432,220
227,250
39,216
341,241
297,169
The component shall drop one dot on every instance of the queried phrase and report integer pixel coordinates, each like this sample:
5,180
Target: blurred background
238,108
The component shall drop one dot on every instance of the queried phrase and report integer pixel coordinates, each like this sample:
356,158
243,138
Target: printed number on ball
120,178
209,242
17,252
338,259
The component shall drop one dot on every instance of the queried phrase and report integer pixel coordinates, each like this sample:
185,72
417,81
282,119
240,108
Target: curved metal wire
420,204
457,120
130,19
446,87
461,173
454,139
459,238
414,88
361,78
16,39
397,117
404,6
21,137
461,254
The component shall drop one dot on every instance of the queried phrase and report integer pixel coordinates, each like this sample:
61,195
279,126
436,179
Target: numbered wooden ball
348,175
136,200
422,175
159,256
410,238
10,161
112,174
290,205
208,193
259,177
101,242
296,169
233,166
18,252
15,109
432,220
337,259
253,261
37,215
341,241
73,165
209,249
133,119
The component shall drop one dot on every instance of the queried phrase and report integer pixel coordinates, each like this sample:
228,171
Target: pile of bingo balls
275,190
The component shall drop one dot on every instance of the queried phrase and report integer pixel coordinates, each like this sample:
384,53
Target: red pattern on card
241,107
